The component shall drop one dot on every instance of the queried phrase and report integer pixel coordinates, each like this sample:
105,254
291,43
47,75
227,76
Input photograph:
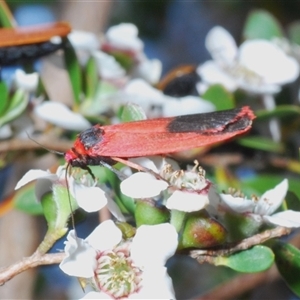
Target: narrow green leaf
261,143
91,78
220,97
6,18
260,24
74,70
3,97
292,200
17,105
257,259
287,258
132,112
280,111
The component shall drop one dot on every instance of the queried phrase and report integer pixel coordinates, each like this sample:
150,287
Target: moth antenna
69,198
42,146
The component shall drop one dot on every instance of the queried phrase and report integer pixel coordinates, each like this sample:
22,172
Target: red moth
109,144
21,44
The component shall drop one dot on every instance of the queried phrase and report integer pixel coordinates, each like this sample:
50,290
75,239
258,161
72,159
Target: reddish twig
26,263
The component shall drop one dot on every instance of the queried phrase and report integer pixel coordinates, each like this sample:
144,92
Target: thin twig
26,263
208,255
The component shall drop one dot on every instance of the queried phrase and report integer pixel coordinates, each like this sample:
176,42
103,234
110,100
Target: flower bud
148,213
202,231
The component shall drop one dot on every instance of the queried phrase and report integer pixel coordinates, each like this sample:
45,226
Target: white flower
103,253
88,197
124,36
5,131
258,66
142,93
181,190
84,43
60,115
148,69
108,67
262,209
84,40
27,82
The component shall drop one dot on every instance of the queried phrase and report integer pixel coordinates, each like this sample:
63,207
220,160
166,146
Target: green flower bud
147,213
202,231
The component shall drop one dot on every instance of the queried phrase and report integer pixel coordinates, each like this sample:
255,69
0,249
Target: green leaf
132,112
6,18
261,143
3,97
25,200
281,111
293,202
294,32
220,97
74,71
17,105
91,78
287,258
257,259
260,24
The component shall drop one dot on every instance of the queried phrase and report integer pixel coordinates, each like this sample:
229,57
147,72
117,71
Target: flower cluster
163,208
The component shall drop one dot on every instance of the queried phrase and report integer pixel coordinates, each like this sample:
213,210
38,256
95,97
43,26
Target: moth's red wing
168,135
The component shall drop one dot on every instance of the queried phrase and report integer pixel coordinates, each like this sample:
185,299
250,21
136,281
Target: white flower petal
33,175
146,162
268,61
60,115
142,93
80,260
115,210
84,40
187,202
96,295
105,236
143,243
186,105
89,198
156,284
150,70
5,131
155,163
272,199
142,185
27,82
288,218
108,67
124,36
211,73
221,45
42,187
238,204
